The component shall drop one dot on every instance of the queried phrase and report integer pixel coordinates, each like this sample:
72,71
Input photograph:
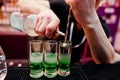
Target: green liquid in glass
64,65
50,65
36,66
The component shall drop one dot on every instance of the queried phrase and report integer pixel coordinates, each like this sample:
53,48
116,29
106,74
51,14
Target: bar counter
78,72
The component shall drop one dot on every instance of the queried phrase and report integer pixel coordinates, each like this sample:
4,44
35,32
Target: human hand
46,23
84,11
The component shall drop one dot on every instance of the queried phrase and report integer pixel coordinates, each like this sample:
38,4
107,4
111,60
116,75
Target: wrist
90,20
91,23
29,7
44,5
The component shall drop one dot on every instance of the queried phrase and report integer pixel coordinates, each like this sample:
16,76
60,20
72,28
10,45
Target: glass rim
65,42
50,41
35,41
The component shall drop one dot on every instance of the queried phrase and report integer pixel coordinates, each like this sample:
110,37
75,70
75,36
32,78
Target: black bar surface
79,72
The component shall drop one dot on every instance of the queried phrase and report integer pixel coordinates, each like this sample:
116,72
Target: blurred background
15,43
110,11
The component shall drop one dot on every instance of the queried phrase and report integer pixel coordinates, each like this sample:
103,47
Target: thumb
68,1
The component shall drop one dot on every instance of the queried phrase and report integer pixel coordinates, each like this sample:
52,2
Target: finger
41,26
36,23
56,35
36,27
50,28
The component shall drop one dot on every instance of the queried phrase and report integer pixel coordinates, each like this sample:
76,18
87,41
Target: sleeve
61,9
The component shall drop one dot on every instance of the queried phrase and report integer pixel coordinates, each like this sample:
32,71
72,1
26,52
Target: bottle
24,24
28,25
16,20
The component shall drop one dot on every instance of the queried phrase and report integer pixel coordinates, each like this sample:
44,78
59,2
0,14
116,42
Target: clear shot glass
36,58
50,58
3,65
64,58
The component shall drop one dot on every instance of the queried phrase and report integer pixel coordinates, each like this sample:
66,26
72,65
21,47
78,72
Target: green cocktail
64,65
50,65
64,58
36,65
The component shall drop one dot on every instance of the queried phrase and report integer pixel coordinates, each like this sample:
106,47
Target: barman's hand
46,23
84,10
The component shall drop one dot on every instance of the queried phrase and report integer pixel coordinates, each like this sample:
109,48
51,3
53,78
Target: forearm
101,49
33,6
85,14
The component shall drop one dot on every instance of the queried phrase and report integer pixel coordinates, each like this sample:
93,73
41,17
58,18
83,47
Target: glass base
36,75
63,73
50,75
3,75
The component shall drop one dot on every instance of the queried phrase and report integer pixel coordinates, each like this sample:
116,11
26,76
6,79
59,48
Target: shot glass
64,58
36,58
50,58
3,64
